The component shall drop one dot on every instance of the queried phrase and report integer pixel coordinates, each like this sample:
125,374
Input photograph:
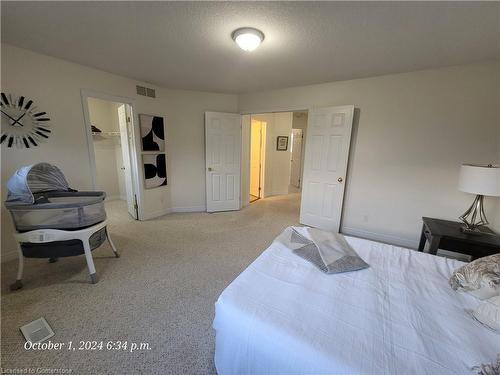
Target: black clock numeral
43,119
40,114
20,102
30,102
26,143
4,98
11,139
4,136
32,140
44,130
43,135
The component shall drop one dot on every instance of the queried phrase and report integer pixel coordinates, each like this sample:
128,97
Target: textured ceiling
188,45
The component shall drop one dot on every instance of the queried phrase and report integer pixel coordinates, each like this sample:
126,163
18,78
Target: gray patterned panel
311,254
296,237
345,258
347,263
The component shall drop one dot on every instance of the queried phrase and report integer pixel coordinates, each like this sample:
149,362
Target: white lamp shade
480,179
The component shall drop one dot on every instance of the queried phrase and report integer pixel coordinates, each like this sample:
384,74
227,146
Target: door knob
209,169
340,179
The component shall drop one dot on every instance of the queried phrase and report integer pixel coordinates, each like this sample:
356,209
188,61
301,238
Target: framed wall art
155,170
152,133
282,143
154,158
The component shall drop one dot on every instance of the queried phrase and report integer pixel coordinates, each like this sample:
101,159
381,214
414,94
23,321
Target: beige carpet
161,291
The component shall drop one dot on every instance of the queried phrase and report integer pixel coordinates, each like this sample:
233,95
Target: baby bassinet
39,197
46,211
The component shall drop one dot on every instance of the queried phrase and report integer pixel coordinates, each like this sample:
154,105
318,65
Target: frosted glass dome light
247,38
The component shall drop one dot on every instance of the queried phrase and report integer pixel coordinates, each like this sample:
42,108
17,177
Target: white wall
280,160
299,120
55,87
104,114
411,133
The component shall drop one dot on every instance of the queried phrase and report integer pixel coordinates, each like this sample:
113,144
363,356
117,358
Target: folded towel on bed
328,251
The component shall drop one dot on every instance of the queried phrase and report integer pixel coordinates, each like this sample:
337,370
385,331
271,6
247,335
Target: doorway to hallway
257,137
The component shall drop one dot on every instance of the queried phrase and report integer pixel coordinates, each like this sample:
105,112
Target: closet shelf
107,134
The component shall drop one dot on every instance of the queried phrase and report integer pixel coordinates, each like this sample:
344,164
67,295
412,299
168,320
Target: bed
399,316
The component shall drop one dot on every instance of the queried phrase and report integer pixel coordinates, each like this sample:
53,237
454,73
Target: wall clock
23,124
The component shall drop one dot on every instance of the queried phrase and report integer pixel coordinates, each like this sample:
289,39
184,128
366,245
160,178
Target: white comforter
284,316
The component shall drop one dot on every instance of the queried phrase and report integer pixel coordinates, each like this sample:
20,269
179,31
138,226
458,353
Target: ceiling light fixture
248,38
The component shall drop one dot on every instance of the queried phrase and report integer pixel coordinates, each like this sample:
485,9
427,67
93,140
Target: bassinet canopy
32,179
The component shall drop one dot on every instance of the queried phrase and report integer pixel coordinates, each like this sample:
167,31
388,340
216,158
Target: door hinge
136,207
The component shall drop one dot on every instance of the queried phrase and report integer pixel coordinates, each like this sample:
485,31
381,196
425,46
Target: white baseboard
155,214
189,209
380,237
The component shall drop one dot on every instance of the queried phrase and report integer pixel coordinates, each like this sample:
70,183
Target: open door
328,139
296,162
126,141
223,159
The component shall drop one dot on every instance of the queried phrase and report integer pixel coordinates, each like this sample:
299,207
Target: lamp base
476,231
474,218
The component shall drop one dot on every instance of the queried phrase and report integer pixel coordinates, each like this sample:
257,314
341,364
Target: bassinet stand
50,235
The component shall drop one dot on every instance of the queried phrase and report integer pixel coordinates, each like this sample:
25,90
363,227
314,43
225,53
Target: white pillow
480,278
488,313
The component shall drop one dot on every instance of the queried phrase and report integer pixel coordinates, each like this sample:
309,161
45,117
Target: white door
222,158
327,150
296,169
126,141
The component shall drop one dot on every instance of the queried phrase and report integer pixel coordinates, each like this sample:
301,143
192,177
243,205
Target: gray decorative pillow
328,251
480,278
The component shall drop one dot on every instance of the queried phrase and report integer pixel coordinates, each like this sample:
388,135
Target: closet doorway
111,146
257,150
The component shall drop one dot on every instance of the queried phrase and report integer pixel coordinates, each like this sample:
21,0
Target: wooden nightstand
446,235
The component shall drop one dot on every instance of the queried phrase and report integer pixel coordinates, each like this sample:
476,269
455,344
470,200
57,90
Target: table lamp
480,180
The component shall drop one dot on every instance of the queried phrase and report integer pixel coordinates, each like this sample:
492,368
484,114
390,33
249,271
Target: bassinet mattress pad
399,316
